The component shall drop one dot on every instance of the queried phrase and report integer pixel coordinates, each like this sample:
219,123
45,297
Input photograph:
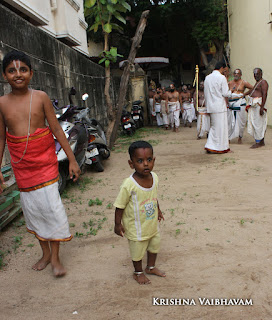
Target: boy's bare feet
141,278
155,271
240,140
41,264
58,269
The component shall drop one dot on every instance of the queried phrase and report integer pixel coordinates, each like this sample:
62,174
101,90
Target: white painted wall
251,40
59,18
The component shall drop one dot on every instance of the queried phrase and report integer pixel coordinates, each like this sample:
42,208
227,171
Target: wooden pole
125,76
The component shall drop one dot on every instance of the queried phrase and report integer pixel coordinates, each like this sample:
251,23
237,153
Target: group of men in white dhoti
229,123
222,109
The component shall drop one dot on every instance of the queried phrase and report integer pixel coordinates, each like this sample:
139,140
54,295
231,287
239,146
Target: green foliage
96,201
104,13
109,56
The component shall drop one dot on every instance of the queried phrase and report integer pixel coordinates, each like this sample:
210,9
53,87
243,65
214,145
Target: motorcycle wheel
107,154
131,131
98,166
62,180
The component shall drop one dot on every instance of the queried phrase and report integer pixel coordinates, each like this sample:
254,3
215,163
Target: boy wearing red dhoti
23,113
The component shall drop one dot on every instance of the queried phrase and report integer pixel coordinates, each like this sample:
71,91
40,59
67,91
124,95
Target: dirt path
216,241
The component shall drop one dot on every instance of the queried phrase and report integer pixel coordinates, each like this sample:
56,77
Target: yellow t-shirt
140,216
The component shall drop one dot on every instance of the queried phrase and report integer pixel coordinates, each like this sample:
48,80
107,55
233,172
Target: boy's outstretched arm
52,120
160,215
118,228
2,147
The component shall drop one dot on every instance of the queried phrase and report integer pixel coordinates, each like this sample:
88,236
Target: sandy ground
216,240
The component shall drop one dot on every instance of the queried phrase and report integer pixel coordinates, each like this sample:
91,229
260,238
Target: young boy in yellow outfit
137,211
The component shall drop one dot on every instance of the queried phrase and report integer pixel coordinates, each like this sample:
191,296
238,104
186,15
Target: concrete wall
56,66
251,40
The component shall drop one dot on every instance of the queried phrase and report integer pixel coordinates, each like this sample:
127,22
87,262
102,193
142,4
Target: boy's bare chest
17,114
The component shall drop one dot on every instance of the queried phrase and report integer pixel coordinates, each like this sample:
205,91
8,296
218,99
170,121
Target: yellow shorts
138,248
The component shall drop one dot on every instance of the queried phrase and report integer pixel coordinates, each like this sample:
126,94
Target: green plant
19,223
109,205
96,201
17,242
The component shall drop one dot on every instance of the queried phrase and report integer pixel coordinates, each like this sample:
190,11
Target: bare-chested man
164,110
173,106
237,116
157,106
257,115
203,118
187,107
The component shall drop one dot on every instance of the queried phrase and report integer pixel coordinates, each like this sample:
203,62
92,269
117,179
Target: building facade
62,19
250,38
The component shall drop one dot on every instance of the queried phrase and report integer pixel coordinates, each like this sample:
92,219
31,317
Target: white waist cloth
237,118
256,123
203,122
157,107
45,214
189,112
174,111
165,116
173,106
218,135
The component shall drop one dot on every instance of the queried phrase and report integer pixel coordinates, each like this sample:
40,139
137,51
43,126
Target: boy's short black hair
137,145
15,55
220,64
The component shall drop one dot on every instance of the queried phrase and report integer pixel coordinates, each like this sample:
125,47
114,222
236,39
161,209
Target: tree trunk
114,124
107,82
204,57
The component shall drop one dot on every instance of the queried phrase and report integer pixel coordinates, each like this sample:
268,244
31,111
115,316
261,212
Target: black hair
138,145
258,69
15,55
220,64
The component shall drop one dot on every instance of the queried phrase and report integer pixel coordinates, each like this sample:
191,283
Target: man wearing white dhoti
215,91
257,113
173,106
157,106
164,109
187,106
237,116
203,118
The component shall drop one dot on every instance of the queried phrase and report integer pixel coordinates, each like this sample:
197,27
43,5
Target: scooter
137,113
77,136
128,124
97,144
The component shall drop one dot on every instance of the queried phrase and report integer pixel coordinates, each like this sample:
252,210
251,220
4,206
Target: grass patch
97,202
123,142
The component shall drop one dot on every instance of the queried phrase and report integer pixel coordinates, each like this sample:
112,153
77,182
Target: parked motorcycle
97,144
137,113
128,124
77,136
